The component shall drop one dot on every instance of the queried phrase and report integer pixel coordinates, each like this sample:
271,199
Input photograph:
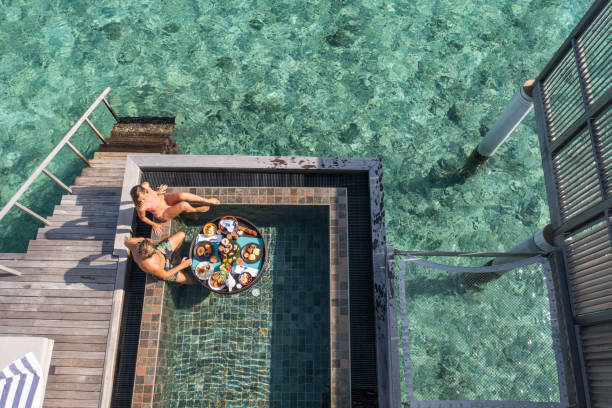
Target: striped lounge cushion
19,383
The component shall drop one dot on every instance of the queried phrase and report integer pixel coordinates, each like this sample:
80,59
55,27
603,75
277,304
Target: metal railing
573,109
42,168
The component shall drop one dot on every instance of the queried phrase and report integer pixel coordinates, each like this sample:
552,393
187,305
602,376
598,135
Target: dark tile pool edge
336,200
148,343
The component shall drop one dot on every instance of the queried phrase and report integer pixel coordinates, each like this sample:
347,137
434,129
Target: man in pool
158,259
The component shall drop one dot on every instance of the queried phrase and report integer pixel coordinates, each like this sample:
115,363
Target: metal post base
472,165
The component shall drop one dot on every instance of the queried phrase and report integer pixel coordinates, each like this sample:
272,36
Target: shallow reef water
416,83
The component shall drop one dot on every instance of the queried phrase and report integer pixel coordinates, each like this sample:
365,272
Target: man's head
146,248
136,192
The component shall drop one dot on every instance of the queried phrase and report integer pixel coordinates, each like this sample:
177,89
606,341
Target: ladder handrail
53,153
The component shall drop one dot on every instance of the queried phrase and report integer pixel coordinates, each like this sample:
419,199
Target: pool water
269,345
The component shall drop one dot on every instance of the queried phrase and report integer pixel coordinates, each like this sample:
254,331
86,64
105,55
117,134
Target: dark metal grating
127,350
595,48
362,331
573,102
589,262
562,96
597,343
576,176
602,126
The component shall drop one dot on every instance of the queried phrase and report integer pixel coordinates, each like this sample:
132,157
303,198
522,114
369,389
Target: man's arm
133,241
163,274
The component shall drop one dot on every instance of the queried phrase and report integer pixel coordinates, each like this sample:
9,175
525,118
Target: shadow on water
455,284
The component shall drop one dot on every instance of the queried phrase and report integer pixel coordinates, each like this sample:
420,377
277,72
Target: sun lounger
24,362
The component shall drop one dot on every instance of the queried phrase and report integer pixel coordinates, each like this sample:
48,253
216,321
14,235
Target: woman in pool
165,207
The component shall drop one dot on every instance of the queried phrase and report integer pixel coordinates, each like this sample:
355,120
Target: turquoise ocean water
416,83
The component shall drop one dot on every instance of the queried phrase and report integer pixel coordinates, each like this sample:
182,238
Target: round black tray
264,258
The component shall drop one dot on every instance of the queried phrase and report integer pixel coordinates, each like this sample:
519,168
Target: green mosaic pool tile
281,336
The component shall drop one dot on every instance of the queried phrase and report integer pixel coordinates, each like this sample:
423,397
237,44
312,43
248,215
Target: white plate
214,287
204,276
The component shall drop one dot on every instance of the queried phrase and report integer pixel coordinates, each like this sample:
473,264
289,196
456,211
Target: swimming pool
283,341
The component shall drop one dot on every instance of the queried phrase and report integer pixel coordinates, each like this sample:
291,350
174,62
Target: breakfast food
210,229
203,269
228,224
228,250
214,259
251,253
245,278
217,280
200,251
247,230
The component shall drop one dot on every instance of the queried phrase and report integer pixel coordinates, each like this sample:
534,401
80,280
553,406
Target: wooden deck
71,287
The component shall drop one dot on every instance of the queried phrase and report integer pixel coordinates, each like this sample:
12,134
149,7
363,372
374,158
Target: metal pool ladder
42,168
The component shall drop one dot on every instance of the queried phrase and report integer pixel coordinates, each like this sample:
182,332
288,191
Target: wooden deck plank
73,301
69,243
80,347
98,172
100,247
78,370
51,331
93,181
84,211
102,222
50,316
62,254
84,235
33,262
99,183
64,386
83,355
4,284
89,200
80,230
97,191
76,395
77,379
69,293
85,273
69,403
60,308
94,324
78,362
69,279
118,164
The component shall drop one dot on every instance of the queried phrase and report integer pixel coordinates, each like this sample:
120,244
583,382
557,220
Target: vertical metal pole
512,116
96,131
74,149
58,181
111,110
